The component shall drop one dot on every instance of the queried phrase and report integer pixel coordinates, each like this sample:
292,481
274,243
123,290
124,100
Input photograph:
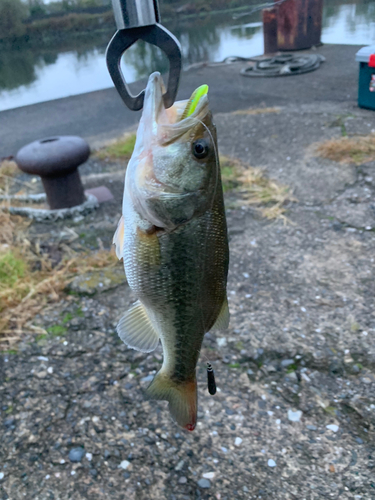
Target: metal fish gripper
140,20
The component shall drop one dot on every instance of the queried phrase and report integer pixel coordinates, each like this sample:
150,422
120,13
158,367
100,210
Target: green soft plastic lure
194,100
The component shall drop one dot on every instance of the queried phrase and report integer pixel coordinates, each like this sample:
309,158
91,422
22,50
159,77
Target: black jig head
211,380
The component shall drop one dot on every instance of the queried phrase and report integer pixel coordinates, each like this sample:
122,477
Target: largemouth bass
173,239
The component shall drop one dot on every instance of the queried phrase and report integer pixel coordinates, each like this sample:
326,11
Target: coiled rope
282,65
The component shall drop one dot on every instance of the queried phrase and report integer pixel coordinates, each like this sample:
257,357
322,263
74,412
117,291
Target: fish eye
200,149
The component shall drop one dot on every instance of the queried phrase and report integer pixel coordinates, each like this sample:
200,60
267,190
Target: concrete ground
294,415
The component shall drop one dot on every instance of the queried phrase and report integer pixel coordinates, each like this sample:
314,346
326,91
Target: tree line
34,18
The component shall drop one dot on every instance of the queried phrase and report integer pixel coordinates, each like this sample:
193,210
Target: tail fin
182,398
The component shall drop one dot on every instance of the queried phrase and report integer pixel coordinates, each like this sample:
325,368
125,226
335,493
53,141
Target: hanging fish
173,239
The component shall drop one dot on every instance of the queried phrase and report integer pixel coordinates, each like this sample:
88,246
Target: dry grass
255,188
28,279
358,150
7,230
256,111
8,169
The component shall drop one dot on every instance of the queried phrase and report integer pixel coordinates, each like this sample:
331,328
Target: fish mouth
167,125
153,105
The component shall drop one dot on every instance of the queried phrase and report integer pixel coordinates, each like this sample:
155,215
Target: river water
28,77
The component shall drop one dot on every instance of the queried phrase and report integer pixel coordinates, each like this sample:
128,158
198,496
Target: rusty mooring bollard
56,161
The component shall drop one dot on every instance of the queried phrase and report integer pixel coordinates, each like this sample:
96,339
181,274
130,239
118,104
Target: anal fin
222,321
136,331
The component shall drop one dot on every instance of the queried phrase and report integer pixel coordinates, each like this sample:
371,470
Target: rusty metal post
270,30
299,24
56,161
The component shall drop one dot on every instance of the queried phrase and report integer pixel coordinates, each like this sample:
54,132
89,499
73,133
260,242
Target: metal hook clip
141,23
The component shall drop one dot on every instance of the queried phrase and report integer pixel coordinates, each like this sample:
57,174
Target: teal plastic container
366,98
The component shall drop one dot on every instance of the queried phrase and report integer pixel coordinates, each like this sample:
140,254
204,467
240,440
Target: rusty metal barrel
56,161
299,24
270,30
292,25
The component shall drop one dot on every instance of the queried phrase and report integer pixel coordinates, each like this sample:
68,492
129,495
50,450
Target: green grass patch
57,330
122,149
292,368
11,269
78,312
234,365
10,352
67,317
230,173
229,179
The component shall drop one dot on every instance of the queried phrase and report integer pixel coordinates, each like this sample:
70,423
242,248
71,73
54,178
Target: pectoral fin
118,238
136,331
222,321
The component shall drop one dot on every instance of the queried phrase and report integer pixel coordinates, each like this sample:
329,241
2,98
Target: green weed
57,330
122,149
292,368
11,269
67,317
10,352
